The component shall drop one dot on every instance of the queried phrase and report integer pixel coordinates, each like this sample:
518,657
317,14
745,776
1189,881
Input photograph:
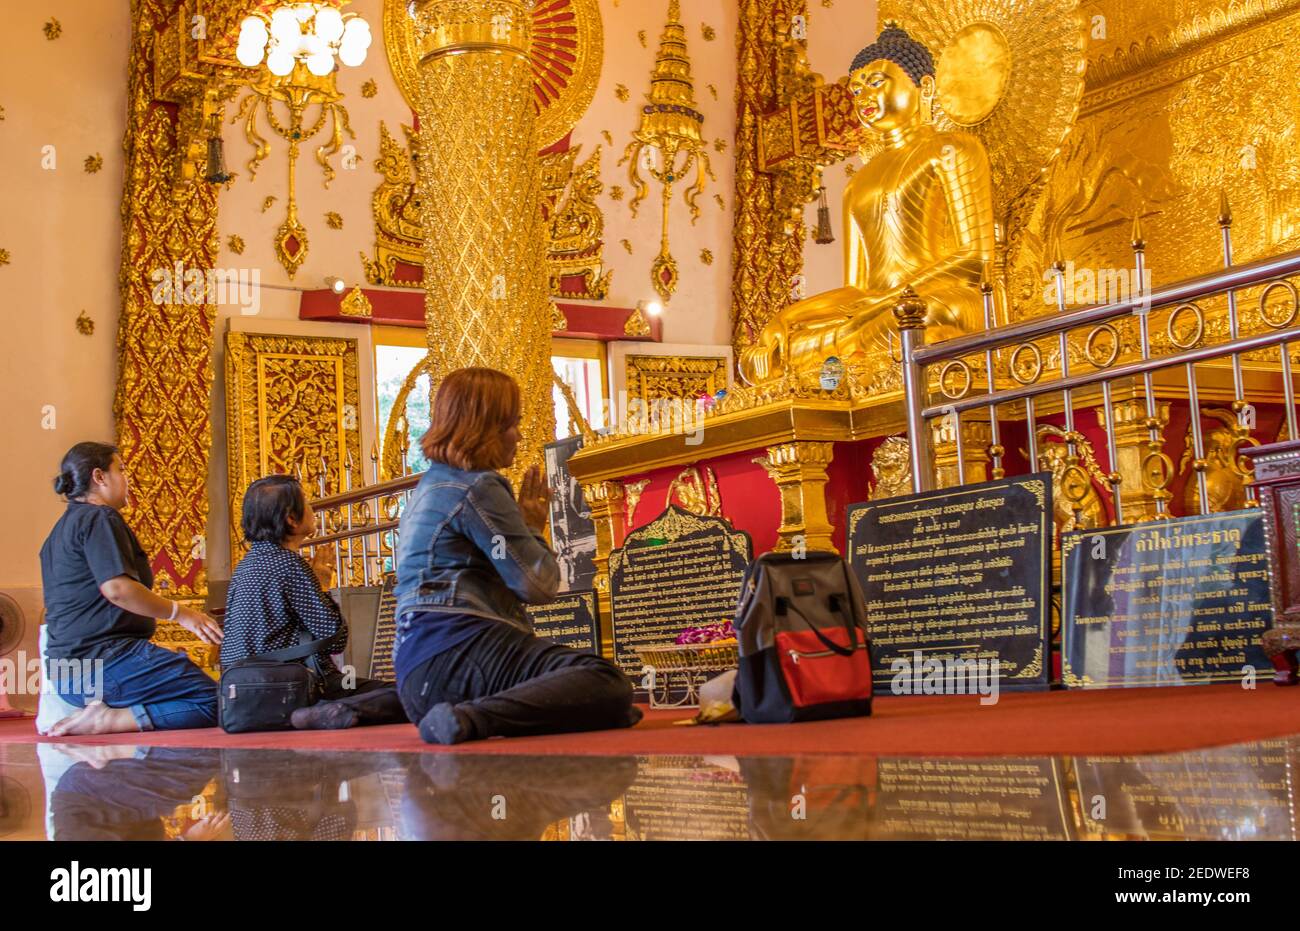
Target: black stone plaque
686,798
954,580
950,798
1174,602
572,620
381,655
681,570
1242,792
573,532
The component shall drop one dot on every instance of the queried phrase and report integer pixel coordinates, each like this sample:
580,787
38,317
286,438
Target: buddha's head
888,79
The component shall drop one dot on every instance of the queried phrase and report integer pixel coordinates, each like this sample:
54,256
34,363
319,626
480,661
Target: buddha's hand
757,362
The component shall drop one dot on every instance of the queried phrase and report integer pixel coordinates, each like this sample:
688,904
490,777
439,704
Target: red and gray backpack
802,631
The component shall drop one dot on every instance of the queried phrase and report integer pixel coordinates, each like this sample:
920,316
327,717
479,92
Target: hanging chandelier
313,33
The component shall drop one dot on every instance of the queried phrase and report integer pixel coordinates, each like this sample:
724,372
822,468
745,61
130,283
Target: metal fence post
910,314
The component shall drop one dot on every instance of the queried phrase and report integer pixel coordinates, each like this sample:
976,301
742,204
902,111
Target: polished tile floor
1243,792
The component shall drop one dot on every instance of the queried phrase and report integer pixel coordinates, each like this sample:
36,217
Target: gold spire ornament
669,142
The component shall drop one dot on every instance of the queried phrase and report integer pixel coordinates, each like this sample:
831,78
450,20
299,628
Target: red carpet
1092,723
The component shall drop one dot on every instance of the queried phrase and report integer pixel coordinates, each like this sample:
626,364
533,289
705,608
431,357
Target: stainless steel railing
961,375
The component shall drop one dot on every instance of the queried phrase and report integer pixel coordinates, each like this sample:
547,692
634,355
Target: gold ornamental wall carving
298,92
291,409
653,378
669,144
486,298
575,226
175,91
399,235
574,222
1181,103
766,256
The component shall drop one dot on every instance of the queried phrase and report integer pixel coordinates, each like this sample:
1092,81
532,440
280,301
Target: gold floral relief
652,378
292,408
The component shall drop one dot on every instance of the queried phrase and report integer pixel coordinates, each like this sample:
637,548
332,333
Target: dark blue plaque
955,580
571,620
1174,602
950,798
681,570
1240,792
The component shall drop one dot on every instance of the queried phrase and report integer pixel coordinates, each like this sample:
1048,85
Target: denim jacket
463,547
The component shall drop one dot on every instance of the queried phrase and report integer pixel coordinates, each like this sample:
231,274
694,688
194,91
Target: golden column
479,185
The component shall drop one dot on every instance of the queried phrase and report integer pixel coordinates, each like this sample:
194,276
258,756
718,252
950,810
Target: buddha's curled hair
894,44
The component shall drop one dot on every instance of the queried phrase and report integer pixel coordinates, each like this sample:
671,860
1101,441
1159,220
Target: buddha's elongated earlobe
927,99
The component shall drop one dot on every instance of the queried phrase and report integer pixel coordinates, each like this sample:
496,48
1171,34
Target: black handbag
260,693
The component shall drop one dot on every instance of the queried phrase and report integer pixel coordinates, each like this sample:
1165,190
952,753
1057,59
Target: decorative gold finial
910,310
637,324
1139,242
356,304
1225,212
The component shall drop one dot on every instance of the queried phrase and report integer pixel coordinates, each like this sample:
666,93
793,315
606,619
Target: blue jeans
163,689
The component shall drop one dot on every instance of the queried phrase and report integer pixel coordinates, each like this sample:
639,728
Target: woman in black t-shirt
100,611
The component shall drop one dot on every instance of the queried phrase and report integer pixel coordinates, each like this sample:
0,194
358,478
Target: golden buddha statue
919,214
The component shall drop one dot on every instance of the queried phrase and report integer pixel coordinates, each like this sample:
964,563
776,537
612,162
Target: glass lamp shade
250,54
253,31
280,62
284,26
329,24
358,30
320,64
352,54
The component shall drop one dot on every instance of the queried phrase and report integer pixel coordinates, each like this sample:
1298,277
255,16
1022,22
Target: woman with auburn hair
468,664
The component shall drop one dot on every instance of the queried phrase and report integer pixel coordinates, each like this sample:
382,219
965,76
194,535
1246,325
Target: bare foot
97,757
96,718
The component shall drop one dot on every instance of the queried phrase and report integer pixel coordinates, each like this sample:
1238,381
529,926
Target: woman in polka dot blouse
276,598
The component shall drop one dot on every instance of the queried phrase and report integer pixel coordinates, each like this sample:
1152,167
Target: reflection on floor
1242,792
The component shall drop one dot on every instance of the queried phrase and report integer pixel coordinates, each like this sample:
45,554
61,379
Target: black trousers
374,700
513,684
